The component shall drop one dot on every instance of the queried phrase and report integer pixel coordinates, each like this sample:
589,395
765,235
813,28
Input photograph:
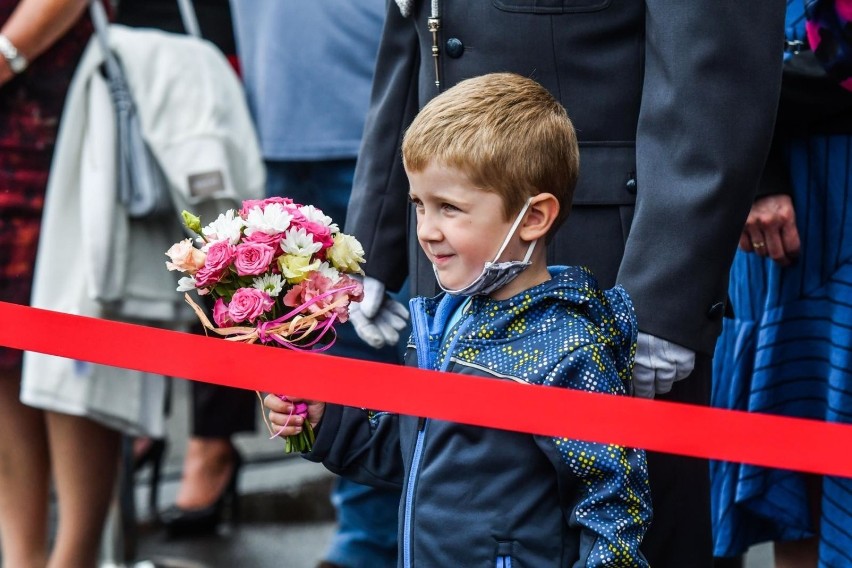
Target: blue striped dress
789,351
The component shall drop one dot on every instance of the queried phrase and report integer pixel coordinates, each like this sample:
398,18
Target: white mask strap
511,233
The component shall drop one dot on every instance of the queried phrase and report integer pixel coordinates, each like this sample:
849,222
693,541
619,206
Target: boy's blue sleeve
360,446
604,487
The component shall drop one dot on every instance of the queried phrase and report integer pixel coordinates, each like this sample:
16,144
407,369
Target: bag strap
101,24
113,67
190,20
187,16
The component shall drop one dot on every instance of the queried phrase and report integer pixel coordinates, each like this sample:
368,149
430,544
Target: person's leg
217,414
85,462
803,553
207,469
797,553
728,562
366,536
681,534
24,478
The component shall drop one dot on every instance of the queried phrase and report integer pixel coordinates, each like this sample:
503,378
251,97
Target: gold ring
758,245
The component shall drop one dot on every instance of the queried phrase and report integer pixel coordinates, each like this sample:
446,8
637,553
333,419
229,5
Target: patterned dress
30,106
789,352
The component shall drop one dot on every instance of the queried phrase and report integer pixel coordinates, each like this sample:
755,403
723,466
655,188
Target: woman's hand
770,229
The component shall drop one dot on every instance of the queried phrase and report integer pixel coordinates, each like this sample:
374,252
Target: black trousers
680,535
219,412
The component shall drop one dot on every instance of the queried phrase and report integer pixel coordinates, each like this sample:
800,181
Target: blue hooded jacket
476,496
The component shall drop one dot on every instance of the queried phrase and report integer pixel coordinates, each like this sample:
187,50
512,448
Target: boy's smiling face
461,227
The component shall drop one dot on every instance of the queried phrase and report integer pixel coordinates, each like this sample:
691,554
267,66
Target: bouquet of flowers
277,272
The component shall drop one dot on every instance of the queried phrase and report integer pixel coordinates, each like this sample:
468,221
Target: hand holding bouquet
276,271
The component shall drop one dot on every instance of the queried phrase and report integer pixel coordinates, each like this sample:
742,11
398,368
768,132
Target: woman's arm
35,25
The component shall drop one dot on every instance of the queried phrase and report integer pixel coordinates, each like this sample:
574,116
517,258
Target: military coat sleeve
378,207
712,76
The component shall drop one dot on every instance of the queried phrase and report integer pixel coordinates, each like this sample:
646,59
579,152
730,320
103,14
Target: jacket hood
610,312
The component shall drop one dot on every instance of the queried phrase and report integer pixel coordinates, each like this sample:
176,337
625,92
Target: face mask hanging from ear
495,274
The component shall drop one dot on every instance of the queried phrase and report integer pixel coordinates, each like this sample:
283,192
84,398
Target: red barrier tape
760,439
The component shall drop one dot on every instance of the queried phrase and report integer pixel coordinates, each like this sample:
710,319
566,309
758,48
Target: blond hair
506,133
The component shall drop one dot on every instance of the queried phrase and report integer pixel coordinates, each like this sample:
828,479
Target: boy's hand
283,417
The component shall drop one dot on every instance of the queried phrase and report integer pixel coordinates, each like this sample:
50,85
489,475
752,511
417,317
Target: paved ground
287,522
286,517
251,546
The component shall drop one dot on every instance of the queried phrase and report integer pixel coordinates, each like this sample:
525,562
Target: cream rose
185,257
346,254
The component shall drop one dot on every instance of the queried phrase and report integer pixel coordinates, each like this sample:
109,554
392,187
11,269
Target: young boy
492,164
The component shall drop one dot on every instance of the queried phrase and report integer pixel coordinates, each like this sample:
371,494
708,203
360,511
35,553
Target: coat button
455,48
716,311
630,186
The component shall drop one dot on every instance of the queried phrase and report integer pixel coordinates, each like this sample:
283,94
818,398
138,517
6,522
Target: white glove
378,318
659,363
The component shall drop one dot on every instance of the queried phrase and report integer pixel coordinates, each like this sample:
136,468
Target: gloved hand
378,318
659,363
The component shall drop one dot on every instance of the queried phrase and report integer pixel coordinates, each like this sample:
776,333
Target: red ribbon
760,439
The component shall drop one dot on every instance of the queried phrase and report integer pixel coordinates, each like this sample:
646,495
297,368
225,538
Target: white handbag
193,118
142,186
154,176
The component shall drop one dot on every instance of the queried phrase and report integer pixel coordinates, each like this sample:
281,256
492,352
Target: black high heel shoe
192,522
152,455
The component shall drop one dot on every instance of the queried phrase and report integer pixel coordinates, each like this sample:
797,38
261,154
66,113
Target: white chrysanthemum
272,284
186,284
311,213
271,220
299,242
329,272
228,226
346,254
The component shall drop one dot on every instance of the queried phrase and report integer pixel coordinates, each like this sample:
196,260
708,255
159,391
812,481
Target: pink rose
253,258
206,278
249,304
250,204
221,315
264,238
320,232
219,256
298,217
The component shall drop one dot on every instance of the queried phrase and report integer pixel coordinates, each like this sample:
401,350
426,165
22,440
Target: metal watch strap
17,62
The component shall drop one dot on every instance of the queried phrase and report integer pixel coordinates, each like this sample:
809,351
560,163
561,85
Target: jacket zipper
419,324
409,494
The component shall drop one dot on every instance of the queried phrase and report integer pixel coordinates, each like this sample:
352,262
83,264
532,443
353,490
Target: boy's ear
540,216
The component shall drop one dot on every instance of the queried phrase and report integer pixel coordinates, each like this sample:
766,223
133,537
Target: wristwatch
17,62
